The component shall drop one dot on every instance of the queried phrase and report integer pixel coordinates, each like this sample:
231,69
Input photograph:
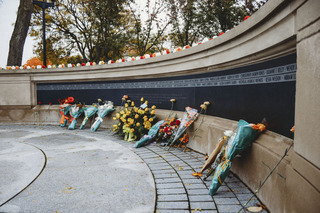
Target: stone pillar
307,112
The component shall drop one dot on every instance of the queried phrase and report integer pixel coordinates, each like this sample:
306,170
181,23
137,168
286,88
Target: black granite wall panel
264,90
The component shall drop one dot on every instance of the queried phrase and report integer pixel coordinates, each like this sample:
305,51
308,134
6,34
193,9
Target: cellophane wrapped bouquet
65,105
134,122
190,116
244,136
75,111
89,111
103,110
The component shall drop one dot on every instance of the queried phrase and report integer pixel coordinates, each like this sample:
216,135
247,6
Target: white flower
109,62
60,66
129,59
194,44
138,58
78,65
94,63
164,52
147,56
13,67
69,65
228,133
158,54
49,66
39,67
88,64
28,67
205,40
21,67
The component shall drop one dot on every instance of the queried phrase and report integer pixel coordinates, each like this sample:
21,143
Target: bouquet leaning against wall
189,117
65,106
75,111
103,110
134,122
244,136
89,111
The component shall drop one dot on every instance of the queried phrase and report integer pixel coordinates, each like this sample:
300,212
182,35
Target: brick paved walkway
178,191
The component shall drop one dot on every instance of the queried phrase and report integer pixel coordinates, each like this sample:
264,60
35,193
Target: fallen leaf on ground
254,209
196,174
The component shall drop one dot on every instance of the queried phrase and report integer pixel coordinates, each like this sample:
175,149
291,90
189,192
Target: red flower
50,103
72,65
91,63
172,123
168,51
70,99
142,57
178,122
151,55
112,61
39,102
123,60
210,38
245,18
199,43
43,66
221,33
83,64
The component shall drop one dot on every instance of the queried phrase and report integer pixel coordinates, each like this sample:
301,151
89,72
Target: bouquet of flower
203,111
189,117
146,139
75,111
134,122
245,135
167,129
216,155
65,106
103,110
89,111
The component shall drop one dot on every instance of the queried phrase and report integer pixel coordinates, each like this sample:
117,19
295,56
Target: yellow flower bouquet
134,122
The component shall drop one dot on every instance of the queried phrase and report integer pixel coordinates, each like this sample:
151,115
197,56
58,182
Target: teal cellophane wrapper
75,112
151,134
88,113
65,108
220,175
243,138
101,113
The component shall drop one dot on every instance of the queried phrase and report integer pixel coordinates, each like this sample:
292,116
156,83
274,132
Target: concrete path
97,172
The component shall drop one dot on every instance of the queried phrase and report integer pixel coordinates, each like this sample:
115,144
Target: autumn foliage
35,62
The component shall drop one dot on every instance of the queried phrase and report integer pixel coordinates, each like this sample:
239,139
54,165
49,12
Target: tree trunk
20,33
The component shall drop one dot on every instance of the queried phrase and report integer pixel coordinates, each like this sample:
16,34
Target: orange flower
292,129
260,127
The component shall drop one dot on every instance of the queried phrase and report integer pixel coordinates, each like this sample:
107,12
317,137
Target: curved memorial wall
253,92
266,67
